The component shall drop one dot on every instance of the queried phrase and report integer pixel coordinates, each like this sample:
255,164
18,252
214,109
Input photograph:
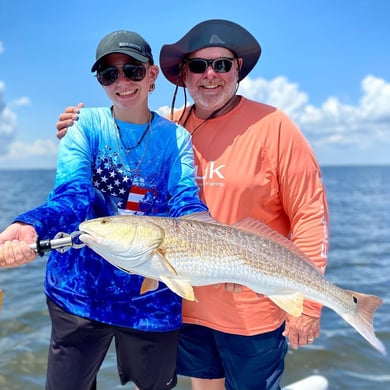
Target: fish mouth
88,238
99,243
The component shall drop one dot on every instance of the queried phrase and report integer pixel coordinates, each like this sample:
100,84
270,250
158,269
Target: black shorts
78,347
246,362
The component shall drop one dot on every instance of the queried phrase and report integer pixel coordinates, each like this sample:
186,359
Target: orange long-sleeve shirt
254,162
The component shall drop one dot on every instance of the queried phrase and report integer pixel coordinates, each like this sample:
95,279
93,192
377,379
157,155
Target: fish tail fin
362,318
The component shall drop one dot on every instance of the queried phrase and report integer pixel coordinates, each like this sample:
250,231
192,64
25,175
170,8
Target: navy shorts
246,362
78,347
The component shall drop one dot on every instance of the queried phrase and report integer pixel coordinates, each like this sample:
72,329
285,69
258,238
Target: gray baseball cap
124,42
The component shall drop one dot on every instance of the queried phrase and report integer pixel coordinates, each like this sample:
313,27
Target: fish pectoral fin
148,285
181,287
291,304
166,262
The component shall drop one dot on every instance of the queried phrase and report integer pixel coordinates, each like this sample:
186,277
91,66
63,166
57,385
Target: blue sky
325,63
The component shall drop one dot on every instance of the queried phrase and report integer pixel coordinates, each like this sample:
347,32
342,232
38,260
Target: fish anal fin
149,285
291,304
181,287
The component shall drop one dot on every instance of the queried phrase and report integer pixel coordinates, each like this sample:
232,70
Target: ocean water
359,259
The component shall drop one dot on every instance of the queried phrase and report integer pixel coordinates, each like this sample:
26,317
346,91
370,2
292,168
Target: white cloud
375,103
38,148
39,154
333,123
277,92
22,101
164,111
9,121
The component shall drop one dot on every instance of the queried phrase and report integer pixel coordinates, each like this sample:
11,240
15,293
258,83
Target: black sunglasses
219,65
110,74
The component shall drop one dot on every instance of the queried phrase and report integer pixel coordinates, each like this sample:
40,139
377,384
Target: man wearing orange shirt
252,161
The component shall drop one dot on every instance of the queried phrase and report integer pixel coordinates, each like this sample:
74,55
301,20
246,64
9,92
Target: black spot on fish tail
362,317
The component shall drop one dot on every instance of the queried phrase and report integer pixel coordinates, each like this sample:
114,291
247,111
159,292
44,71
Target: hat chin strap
174,97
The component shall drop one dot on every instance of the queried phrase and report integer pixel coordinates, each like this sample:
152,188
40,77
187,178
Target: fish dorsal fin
149,285
291,304
254,226
181,287
201,216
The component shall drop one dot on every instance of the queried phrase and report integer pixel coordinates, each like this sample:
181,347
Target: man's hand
14,249
301,330
67,119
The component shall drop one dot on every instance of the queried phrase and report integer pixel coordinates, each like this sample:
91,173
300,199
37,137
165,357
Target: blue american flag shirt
95,176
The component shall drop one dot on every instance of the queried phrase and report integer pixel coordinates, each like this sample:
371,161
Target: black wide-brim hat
210,33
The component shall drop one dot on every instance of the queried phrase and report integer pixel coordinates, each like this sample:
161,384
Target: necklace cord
118,137
127,149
